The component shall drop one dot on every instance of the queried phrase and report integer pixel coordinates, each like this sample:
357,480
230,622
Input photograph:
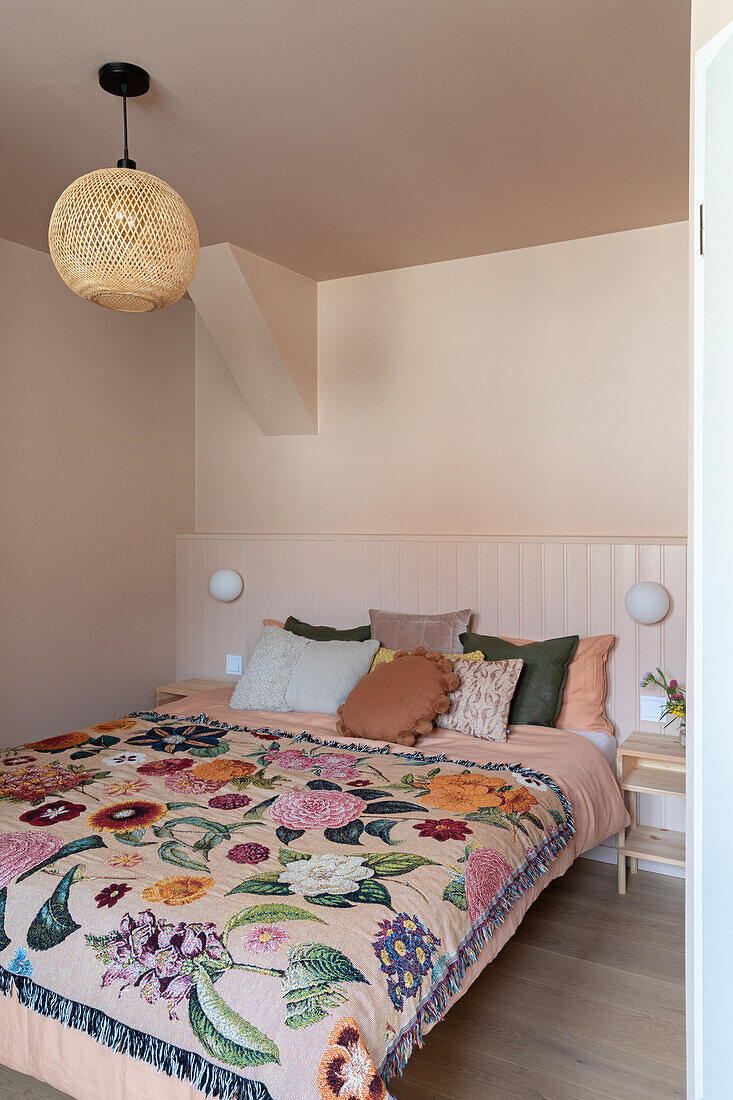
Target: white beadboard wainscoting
524,588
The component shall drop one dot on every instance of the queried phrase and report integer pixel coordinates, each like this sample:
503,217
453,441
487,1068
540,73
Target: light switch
650,708
233,664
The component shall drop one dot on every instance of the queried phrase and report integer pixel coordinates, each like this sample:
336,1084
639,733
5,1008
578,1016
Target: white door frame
694,899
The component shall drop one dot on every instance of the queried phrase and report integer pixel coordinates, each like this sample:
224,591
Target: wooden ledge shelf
649,763
658,845
648,778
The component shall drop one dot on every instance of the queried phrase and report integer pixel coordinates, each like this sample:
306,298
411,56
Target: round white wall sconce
647,602
225,585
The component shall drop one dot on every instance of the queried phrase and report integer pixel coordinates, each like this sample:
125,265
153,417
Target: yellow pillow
383,655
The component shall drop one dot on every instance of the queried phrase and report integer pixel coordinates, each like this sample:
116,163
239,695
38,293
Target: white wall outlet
650,708
233,664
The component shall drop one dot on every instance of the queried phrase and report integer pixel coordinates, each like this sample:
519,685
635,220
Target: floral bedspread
265,916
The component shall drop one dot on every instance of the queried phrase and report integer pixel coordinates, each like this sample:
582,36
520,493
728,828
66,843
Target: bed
328,1005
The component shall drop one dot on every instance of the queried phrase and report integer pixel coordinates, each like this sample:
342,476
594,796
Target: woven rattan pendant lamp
119,237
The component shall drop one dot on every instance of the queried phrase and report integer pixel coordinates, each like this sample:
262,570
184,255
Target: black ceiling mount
115,74
124,79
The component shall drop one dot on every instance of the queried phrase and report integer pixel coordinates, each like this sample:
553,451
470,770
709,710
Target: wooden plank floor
586,1002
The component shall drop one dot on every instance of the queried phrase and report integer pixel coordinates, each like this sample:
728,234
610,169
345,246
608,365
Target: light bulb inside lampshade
124,239
647,602
225,585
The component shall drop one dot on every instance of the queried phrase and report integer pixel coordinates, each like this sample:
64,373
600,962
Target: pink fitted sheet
77,1064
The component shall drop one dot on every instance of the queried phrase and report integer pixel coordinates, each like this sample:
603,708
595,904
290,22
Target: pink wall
536,392
96,479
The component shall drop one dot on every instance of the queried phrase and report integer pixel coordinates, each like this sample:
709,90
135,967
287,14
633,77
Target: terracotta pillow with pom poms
399,700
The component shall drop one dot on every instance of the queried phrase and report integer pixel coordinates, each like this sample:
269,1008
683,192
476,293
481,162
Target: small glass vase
682,733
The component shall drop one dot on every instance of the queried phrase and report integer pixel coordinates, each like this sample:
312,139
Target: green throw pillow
327,633
538,695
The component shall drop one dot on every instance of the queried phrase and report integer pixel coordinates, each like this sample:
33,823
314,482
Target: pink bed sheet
78,1065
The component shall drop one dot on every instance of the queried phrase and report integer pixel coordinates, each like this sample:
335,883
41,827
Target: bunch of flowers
156,957
302,808
330,765
33,782
20,852
326,873
404,950
675,703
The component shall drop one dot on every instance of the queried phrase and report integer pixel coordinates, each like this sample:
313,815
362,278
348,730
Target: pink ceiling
345,136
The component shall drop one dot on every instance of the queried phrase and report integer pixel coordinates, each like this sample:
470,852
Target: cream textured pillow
480,706
326,673
383,655
265,679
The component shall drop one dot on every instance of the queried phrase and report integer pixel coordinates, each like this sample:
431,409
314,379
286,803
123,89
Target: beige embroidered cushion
383,655
480,706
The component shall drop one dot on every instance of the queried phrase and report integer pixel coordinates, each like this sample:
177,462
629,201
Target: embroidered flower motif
291,760
16,761
264,734
303,808
112,894
346,1070
120,758
125,859
59,744
265,937
53,812
443,829
223,771
487,872
404,950
166,767
125,786
325,874
181,738
20,963
34,782
122,817
248,853
179,889
463,792
21,852
155,957
188,783
117,726
336,765
360,783
517,800
530,782
229,801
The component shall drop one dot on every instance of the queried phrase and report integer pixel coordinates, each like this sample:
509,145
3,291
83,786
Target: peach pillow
583,704
400,699
273,622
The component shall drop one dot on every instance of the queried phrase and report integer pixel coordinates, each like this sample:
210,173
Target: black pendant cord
124,79
125,162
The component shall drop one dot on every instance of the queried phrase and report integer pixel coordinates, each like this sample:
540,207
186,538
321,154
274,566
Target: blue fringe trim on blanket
434,1007
166,1058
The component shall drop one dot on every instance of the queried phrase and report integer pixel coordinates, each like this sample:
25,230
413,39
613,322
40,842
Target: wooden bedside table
181,689
649,763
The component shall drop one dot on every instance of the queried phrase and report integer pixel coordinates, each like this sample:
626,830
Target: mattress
43,1048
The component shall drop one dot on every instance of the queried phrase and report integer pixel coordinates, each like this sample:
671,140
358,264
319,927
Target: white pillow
265,680
326,673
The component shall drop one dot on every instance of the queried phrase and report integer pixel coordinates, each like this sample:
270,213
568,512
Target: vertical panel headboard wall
530,588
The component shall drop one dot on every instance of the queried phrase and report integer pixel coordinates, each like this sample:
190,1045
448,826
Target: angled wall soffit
263,319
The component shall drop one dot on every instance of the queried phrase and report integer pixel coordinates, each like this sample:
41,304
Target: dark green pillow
538,695
327,633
